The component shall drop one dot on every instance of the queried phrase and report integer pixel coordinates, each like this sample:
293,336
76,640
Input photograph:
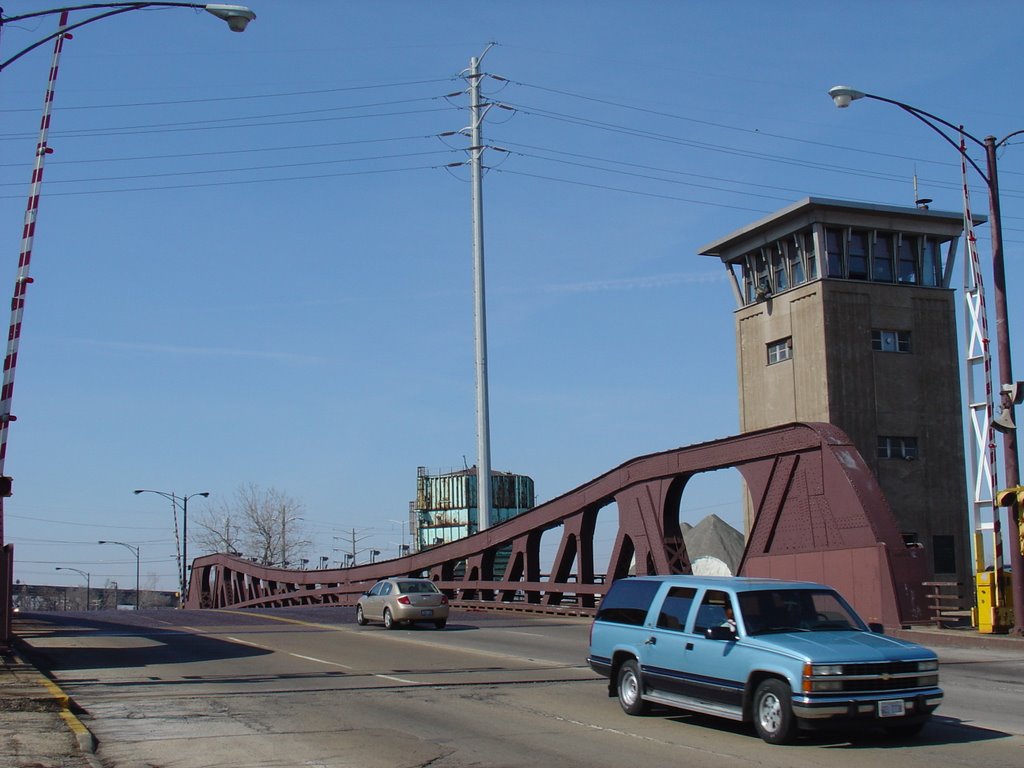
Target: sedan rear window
416,587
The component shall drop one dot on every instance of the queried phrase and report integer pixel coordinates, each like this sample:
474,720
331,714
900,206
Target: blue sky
252,264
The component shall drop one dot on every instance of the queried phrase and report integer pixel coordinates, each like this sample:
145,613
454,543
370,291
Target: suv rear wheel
631,689
773,715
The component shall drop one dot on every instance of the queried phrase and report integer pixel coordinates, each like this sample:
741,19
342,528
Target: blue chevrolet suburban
784,655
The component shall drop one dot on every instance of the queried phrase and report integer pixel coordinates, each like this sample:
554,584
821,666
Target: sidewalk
38,728
958,637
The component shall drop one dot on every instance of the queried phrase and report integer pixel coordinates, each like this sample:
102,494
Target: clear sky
252,264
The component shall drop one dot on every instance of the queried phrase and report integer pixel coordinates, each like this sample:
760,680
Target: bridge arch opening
709,512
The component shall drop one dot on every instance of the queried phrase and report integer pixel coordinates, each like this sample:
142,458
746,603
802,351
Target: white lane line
251,645
396,679
319,661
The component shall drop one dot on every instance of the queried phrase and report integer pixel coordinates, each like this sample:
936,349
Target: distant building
446,504
845,315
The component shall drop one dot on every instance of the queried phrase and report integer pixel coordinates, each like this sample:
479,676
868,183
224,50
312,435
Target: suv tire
631,688
773,714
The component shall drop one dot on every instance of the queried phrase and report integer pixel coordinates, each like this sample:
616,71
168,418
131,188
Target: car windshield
797,610
414,587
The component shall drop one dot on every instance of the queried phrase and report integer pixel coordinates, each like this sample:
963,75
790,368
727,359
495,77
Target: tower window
881,259
897,447
944,553
890,341
780,350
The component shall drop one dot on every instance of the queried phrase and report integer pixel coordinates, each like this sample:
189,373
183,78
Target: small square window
890,341
897,448
780,350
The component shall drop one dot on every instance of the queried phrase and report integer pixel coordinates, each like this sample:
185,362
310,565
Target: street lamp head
237,16
204,494
101,542
842,95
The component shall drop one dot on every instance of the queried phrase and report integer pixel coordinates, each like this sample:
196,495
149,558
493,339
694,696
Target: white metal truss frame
978,364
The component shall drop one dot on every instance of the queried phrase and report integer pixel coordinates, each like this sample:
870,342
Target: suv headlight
928,666
826,669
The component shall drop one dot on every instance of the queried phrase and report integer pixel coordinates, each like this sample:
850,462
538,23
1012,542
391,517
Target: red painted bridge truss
819,515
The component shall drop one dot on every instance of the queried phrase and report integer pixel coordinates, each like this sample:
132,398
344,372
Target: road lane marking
320,661
405,639
250,644
396,679
280,618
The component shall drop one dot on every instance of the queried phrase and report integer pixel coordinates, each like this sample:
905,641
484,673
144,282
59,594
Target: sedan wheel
389,621
360,619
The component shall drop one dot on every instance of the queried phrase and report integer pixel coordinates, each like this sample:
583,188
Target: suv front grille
885,676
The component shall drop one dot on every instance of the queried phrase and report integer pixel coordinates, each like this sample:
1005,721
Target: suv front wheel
773,715
631,689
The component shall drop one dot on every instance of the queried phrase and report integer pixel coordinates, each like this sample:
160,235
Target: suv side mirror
877,628
720,633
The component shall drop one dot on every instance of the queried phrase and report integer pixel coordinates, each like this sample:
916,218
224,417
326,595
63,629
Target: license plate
430,612
893,708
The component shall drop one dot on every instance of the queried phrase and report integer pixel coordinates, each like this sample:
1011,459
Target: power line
250,97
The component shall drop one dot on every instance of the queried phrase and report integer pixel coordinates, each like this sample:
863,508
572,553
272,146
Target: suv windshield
796,610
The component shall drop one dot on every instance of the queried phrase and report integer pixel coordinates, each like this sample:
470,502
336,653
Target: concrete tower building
845,315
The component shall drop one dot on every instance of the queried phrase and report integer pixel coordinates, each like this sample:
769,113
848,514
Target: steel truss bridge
818,514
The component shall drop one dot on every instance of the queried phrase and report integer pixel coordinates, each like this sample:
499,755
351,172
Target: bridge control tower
844,314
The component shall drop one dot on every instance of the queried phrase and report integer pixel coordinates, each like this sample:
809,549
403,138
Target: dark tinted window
712,611
416,587
676,608
627,601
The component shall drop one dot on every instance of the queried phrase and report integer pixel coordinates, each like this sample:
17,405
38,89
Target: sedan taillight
404,600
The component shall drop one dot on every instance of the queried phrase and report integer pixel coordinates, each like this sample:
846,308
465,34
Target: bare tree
264,524
220,529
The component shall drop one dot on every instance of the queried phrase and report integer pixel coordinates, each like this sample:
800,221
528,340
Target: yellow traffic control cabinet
992,618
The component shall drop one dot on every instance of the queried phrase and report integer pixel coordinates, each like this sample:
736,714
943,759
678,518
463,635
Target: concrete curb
84,737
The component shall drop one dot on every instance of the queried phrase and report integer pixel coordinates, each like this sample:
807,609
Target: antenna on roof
920,202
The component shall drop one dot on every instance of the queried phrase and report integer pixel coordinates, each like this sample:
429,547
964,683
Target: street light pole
184,532
237,18
88,582
842,96
135,551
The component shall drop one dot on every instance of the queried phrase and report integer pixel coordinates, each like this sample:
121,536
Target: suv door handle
652,640
689,646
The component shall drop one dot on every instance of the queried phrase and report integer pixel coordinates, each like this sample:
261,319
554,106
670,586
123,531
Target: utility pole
483,429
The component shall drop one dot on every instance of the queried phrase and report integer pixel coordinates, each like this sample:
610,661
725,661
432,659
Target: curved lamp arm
236,16
842,95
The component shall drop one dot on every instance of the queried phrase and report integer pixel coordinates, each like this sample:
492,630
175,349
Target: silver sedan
403,600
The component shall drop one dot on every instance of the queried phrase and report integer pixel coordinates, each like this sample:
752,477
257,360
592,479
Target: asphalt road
307,687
